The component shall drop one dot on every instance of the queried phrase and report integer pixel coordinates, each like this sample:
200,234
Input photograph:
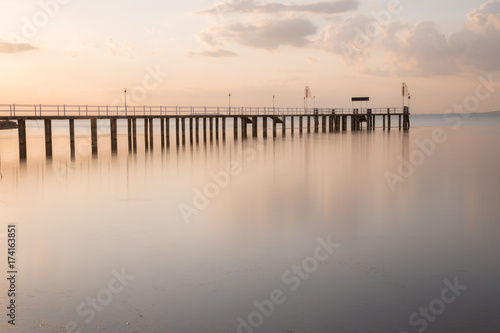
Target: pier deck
335,119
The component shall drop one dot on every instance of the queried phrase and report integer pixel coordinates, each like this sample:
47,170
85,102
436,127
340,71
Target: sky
196,52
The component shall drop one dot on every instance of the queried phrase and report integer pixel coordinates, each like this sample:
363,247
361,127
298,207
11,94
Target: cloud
252,6
6,47
416,49
219,53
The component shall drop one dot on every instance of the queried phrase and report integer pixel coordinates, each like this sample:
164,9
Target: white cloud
252,6
6,47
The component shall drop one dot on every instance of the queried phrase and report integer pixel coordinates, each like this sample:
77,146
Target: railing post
86,110
58,110
78,110
107,111
64,109
149,110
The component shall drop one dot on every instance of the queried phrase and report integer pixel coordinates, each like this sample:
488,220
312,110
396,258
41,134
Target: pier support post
191,120
330,123
129,133
197,129
146,133
274,127
21,131
48,138
167,131
300,124
211,125
243,127
223,128
308,124
183,130
72,138
113,131
254,127
151,133
264,126
323,124
93,135
217,128
134,134
389,119
292,125
399,118
283,127
162,132
235,128
316,123
344,123
177,133
205,129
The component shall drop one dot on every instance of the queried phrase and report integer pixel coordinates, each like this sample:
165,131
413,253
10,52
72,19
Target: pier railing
39,110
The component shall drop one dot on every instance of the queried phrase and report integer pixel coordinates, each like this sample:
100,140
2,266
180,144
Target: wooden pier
217,119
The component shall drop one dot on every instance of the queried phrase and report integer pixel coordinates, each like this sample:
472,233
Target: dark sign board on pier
360,99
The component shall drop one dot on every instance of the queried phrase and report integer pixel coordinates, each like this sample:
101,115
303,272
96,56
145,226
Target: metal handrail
39,110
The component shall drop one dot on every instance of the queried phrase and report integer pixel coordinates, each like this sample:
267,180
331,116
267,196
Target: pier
192,122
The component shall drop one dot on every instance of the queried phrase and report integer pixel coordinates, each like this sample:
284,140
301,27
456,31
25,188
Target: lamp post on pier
125,92
229,103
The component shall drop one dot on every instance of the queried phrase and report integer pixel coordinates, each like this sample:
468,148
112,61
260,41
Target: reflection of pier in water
209,121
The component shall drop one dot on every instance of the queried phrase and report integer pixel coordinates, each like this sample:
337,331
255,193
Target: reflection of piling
21,131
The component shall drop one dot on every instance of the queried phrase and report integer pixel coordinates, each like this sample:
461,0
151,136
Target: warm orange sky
195,52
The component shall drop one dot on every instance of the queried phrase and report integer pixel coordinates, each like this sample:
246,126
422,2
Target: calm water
230,236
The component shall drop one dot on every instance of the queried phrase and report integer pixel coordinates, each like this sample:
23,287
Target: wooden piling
167,131
323,124
283,127
129,134
264,126
292,125
308,124
72,138
134,134
211,125
316,123
177,134
183,130
151,133
93,135
223,128
300,124
114,134
191,120
235,128
146,133
21,132
254,127
48,137
162,132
